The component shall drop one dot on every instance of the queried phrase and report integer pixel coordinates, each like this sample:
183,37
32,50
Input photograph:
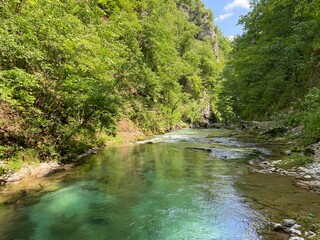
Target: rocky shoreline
307,176
126,130
32,177
45,169
290,227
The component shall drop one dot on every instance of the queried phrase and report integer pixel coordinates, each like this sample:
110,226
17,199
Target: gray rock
309,234
278,227
296,226
296,238
295,231
288,222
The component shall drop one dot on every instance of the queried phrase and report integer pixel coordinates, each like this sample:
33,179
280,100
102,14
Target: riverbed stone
296,226
309,234
288,222
295,231
296,238
277,227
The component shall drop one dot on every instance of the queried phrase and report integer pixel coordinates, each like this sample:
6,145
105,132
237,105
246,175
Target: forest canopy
72,69
274,67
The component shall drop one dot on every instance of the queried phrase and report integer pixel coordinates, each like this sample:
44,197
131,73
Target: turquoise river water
188,184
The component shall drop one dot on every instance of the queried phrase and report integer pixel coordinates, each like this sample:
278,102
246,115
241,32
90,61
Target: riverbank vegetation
274,67
70,70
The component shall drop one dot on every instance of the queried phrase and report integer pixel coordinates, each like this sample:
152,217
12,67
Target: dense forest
274,67
70,70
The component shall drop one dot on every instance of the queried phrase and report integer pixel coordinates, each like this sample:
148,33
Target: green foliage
3,151
18,87
73,68
309,117
18,159
295,160
275,62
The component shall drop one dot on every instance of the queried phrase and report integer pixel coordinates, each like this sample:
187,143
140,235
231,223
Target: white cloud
224,16
237,3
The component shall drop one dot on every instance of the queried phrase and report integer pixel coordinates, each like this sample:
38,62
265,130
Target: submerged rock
54,171
200,148
226,153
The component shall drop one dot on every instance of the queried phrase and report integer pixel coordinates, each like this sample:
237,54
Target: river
187,184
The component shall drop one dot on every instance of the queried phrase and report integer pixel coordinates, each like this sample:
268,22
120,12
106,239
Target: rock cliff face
207,28
208,117
209,32
196,12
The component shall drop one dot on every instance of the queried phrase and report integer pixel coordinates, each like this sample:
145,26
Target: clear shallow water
183,186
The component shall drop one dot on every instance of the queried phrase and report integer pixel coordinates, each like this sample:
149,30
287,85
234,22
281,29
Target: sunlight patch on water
184,135
73,203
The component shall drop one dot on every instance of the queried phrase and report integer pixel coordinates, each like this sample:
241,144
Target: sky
227,13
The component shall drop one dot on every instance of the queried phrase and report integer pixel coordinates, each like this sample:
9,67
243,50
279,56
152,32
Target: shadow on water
189,184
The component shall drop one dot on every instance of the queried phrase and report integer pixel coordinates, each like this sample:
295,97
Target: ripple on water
231,142
156,191
226,153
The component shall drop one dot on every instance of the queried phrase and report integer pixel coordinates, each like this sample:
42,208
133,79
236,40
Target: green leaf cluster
74,68
275,62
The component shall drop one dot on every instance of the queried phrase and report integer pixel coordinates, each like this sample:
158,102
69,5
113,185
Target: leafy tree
271,63
74,68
